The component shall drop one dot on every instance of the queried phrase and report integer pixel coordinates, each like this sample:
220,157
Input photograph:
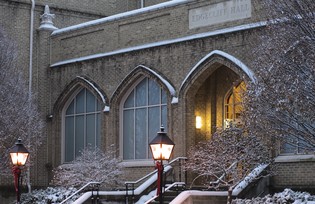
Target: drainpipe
30,79
142,4
31,49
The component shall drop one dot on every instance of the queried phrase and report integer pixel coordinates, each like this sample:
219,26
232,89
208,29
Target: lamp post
19,155
161,147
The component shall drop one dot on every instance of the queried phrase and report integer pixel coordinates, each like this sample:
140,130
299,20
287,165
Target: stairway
171,191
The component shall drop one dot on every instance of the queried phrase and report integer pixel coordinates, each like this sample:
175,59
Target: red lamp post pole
17,172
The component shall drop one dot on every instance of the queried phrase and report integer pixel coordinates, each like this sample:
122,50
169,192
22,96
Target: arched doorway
208,92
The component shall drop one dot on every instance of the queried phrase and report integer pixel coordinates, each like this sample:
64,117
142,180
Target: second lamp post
19,155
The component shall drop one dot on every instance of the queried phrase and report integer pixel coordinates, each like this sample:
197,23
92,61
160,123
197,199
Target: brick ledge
295,158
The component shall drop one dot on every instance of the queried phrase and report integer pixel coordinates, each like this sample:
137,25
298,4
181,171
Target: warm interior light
198,122
19,159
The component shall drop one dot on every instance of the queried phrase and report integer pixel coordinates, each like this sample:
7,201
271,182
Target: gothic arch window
81,124
233,106
143,111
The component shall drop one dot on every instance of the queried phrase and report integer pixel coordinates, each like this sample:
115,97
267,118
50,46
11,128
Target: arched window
233,106
81,124
143,112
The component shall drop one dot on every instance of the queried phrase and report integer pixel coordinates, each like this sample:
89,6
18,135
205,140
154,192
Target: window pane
164,117
98,129
141,134
154,122
80,99
229,111
154,93
164,97
289,146
128,134
130,100
99,106
90,130
69,139
79,135
90,102
141,93
70,109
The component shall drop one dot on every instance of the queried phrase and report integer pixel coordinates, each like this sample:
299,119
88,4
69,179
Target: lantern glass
19,154
161,151
18,158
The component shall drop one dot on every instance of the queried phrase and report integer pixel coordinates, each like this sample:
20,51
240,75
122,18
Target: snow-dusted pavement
285,197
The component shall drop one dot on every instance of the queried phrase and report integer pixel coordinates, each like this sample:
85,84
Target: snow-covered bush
287,196
93,165
225,159
50,195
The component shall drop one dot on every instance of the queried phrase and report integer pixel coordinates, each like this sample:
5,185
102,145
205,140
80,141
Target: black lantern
19,156
161,147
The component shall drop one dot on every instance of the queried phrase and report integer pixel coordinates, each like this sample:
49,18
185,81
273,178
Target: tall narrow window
233,106
144,111
82,124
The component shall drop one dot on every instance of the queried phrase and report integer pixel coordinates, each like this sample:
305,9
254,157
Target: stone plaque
219,13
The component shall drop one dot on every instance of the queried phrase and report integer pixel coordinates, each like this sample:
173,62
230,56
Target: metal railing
166,190
93,184
132,184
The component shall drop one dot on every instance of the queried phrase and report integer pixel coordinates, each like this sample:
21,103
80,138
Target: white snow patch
162,43
248,179
295,158
183,196
286,196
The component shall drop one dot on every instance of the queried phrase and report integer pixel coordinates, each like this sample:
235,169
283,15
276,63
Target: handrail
78,191
132,183
153,172
167,189
136,191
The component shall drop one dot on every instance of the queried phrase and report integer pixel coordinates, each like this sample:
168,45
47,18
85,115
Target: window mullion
134,124
74,126
147,122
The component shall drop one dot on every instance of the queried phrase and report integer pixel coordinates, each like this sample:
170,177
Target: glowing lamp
19,154
198,122
161,146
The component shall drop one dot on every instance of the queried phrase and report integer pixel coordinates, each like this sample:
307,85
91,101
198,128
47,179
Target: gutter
31,49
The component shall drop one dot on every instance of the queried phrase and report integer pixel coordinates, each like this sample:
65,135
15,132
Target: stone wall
132,29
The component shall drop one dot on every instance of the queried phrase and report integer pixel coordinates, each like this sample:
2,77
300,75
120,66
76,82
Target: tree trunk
229,198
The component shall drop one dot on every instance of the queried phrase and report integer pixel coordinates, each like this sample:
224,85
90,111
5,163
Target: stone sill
295,158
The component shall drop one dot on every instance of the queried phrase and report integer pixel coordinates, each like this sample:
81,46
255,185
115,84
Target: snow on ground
48,195
285,197
57,194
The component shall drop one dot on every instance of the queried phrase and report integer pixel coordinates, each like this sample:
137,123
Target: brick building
112,67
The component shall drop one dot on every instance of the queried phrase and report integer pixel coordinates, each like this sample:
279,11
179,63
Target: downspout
141,3
31,49
30,80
